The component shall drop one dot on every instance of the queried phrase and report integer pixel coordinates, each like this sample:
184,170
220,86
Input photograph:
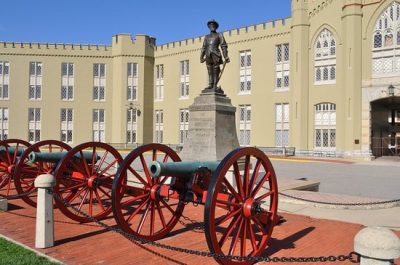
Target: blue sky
96,21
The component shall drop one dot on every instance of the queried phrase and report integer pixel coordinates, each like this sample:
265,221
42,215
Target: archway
385,126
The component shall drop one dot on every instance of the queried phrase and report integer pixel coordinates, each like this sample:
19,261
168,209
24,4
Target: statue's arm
203,51
224,47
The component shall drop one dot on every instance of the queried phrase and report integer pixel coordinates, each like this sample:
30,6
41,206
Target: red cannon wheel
84,179
26,172
241,205
138,207
8,161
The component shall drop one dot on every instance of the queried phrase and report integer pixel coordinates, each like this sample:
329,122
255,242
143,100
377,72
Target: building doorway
385,127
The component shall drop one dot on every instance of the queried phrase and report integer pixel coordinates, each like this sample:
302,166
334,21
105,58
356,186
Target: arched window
386,42
325,58
325,126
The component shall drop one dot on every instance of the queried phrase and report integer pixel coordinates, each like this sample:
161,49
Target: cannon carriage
239,194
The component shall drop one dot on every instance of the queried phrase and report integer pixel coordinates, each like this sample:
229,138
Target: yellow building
325,81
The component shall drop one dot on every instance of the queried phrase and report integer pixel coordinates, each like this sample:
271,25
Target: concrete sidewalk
384,215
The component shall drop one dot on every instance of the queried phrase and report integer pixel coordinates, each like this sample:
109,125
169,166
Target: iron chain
339,203
352,256
20,195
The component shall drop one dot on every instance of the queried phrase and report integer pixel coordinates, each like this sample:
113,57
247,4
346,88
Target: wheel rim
26,172
137,208
86,183
7,165
239,219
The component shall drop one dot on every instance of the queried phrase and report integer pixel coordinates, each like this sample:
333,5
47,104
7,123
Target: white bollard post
44,211
3,204
377,246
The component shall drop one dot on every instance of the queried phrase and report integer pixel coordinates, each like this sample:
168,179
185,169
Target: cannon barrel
180,169
11,150
55,157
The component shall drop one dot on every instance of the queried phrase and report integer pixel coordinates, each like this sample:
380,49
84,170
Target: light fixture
391,90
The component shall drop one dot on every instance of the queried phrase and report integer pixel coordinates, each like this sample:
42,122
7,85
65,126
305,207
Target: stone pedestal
212,130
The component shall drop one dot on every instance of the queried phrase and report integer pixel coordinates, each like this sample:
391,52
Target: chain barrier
20,195
340,203
352,256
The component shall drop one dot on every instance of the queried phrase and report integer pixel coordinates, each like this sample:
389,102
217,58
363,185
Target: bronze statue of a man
211,54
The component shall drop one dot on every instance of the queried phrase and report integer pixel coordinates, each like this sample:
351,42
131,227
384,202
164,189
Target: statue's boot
210,77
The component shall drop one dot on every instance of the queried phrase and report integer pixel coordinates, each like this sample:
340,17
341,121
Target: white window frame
325,125
99,82
244,125
386,43
4,117
159,83
159,126
282,67
245,62
184,83
325,50
282,124
184,118
4,80
34,125
67,81
99,125
133,82
131,125
67,125
35,81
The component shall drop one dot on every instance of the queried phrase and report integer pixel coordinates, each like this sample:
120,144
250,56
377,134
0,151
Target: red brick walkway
91,244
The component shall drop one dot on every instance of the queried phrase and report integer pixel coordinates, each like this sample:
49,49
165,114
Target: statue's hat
212,21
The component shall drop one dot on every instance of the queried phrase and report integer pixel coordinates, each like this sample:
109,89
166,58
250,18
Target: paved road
375,179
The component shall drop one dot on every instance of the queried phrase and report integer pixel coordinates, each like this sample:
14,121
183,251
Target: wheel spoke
138,176
103,158
152,218
108,167
91,202
229,230
72,187
225,218
94,158
232,190
260,184
244,238
254,177
238,179
77,195
159,210
235,237
83,199
252,236
246,175
165,159
146,170
126,203
137,209
104,192
99,200
168,207
84,163
154,157
262,197
144,217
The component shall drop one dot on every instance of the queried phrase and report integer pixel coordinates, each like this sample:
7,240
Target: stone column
3,204
212,128
377,246
44,211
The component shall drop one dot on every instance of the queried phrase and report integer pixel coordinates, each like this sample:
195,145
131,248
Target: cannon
10,151
26,169
239,194
83,175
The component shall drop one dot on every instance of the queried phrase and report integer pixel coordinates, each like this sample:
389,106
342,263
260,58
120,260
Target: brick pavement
90,244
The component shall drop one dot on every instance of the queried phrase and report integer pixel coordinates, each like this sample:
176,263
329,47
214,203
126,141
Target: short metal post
44,211
377,245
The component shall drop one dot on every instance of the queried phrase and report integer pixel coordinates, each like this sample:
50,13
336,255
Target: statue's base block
212,130
3,204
